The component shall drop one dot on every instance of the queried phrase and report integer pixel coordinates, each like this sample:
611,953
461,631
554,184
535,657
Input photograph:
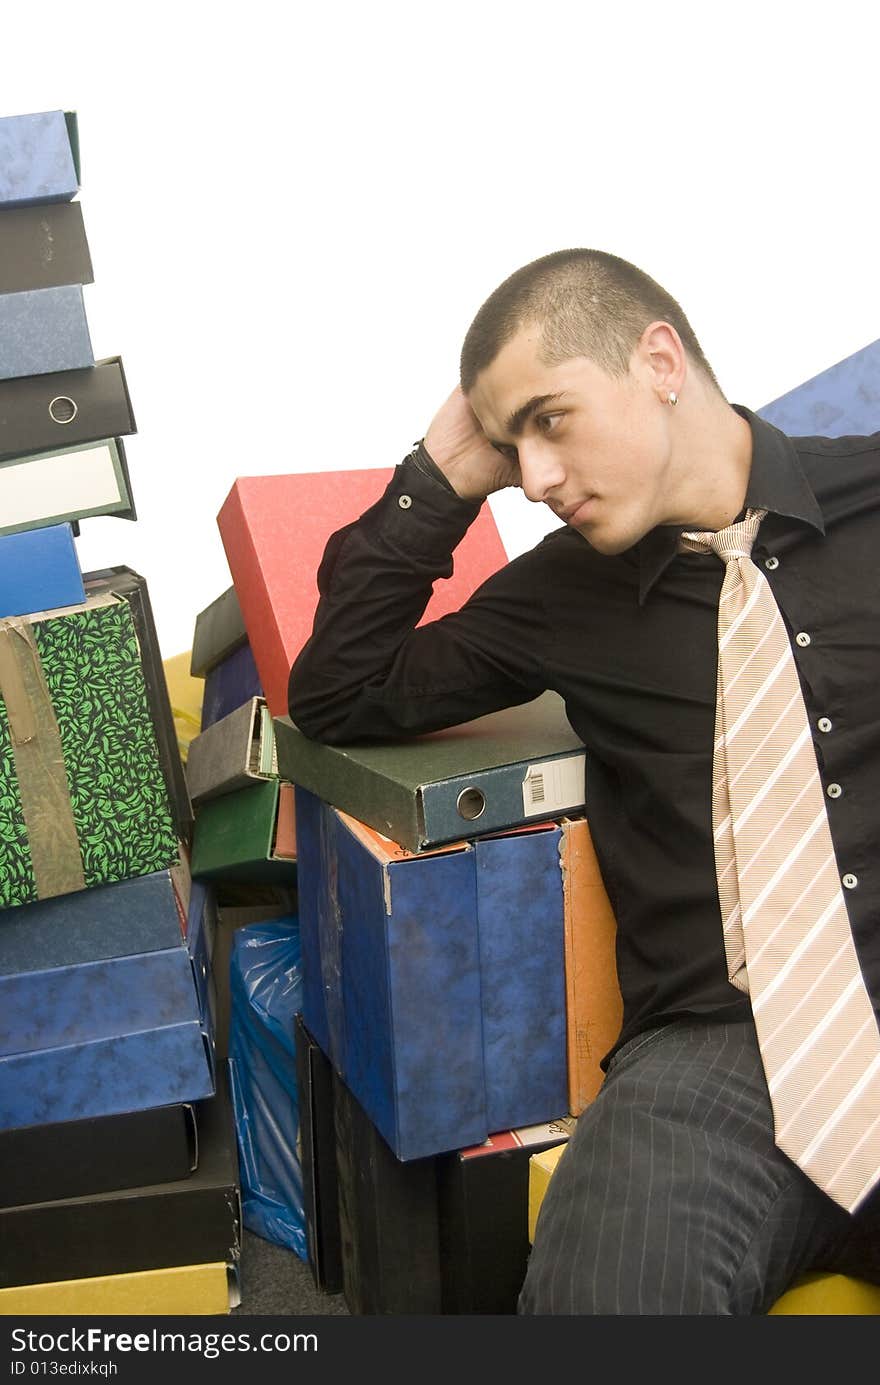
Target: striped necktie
786,931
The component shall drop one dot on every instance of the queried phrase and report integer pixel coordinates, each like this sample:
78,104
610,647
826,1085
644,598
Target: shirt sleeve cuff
420,513
422,458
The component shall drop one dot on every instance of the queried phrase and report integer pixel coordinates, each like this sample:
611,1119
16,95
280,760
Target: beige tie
786,930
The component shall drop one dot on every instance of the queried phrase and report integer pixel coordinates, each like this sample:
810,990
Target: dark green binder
523,764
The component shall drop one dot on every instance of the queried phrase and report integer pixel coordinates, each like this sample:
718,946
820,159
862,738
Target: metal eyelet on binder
63,409
471,803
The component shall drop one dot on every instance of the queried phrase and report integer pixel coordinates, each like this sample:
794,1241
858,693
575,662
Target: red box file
274,530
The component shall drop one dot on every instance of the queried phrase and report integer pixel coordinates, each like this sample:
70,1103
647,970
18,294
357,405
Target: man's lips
570,512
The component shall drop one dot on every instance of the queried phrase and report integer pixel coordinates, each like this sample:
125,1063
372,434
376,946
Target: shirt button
850,881
824,723
834,791
404,501
771,564
802,638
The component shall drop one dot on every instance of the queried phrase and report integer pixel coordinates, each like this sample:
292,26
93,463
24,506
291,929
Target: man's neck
715,450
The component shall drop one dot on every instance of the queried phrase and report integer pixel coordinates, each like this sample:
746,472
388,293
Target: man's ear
663,359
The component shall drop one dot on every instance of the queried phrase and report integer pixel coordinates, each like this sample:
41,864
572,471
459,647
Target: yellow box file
186,695
828,1295
541,1166
190,1290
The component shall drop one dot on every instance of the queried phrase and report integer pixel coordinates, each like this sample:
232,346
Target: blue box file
96,1000
105,1077
839,401
145,914
435,983
522,971
201,931
124,1033
43,331
230,683
392,993
37,158
39,571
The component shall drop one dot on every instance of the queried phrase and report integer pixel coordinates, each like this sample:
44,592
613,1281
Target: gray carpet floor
275,1281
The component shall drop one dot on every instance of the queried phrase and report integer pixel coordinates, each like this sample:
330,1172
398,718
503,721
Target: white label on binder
57,484
552,786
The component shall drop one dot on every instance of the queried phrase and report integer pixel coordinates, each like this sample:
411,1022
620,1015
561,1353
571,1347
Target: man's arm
367,671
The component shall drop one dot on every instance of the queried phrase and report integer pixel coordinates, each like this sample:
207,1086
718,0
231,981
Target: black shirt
630,643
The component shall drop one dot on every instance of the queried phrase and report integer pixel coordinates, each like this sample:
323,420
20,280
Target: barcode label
553,786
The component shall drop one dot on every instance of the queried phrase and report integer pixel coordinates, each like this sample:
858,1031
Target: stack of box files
117,1149
244,848
441,888
244,835
246,640
511,881
62,414
244,814
441,1234
221,655
456,993
244,838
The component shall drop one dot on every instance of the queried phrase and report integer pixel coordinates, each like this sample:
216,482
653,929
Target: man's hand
457,443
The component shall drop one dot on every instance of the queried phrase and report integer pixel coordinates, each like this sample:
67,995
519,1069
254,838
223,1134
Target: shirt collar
776,483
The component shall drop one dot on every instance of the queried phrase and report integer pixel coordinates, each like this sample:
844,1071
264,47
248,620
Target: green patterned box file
82,797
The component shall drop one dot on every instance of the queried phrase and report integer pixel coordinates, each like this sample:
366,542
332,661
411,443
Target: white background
295,211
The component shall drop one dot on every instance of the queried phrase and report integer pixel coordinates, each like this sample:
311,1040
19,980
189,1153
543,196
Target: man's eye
547,422
510,453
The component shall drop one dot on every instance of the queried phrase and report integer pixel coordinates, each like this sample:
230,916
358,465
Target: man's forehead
518,383
516,375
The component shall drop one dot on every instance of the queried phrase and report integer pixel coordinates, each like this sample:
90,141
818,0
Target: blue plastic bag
265,978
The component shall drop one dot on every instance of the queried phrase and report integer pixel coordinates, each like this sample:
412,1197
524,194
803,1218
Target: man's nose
540,470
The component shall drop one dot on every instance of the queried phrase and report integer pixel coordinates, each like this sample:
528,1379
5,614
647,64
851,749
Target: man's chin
609,545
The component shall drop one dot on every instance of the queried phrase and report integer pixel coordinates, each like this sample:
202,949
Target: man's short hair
587,303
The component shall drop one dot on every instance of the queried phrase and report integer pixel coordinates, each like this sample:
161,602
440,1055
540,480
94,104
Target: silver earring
672,397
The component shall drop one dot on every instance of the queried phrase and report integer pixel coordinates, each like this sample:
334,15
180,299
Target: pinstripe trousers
671,1197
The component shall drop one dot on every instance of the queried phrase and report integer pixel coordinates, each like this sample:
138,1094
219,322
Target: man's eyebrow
520,416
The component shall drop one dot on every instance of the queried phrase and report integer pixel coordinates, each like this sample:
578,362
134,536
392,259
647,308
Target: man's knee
643,1275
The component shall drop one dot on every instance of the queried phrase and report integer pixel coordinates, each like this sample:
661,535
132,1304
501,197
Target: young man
583,383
